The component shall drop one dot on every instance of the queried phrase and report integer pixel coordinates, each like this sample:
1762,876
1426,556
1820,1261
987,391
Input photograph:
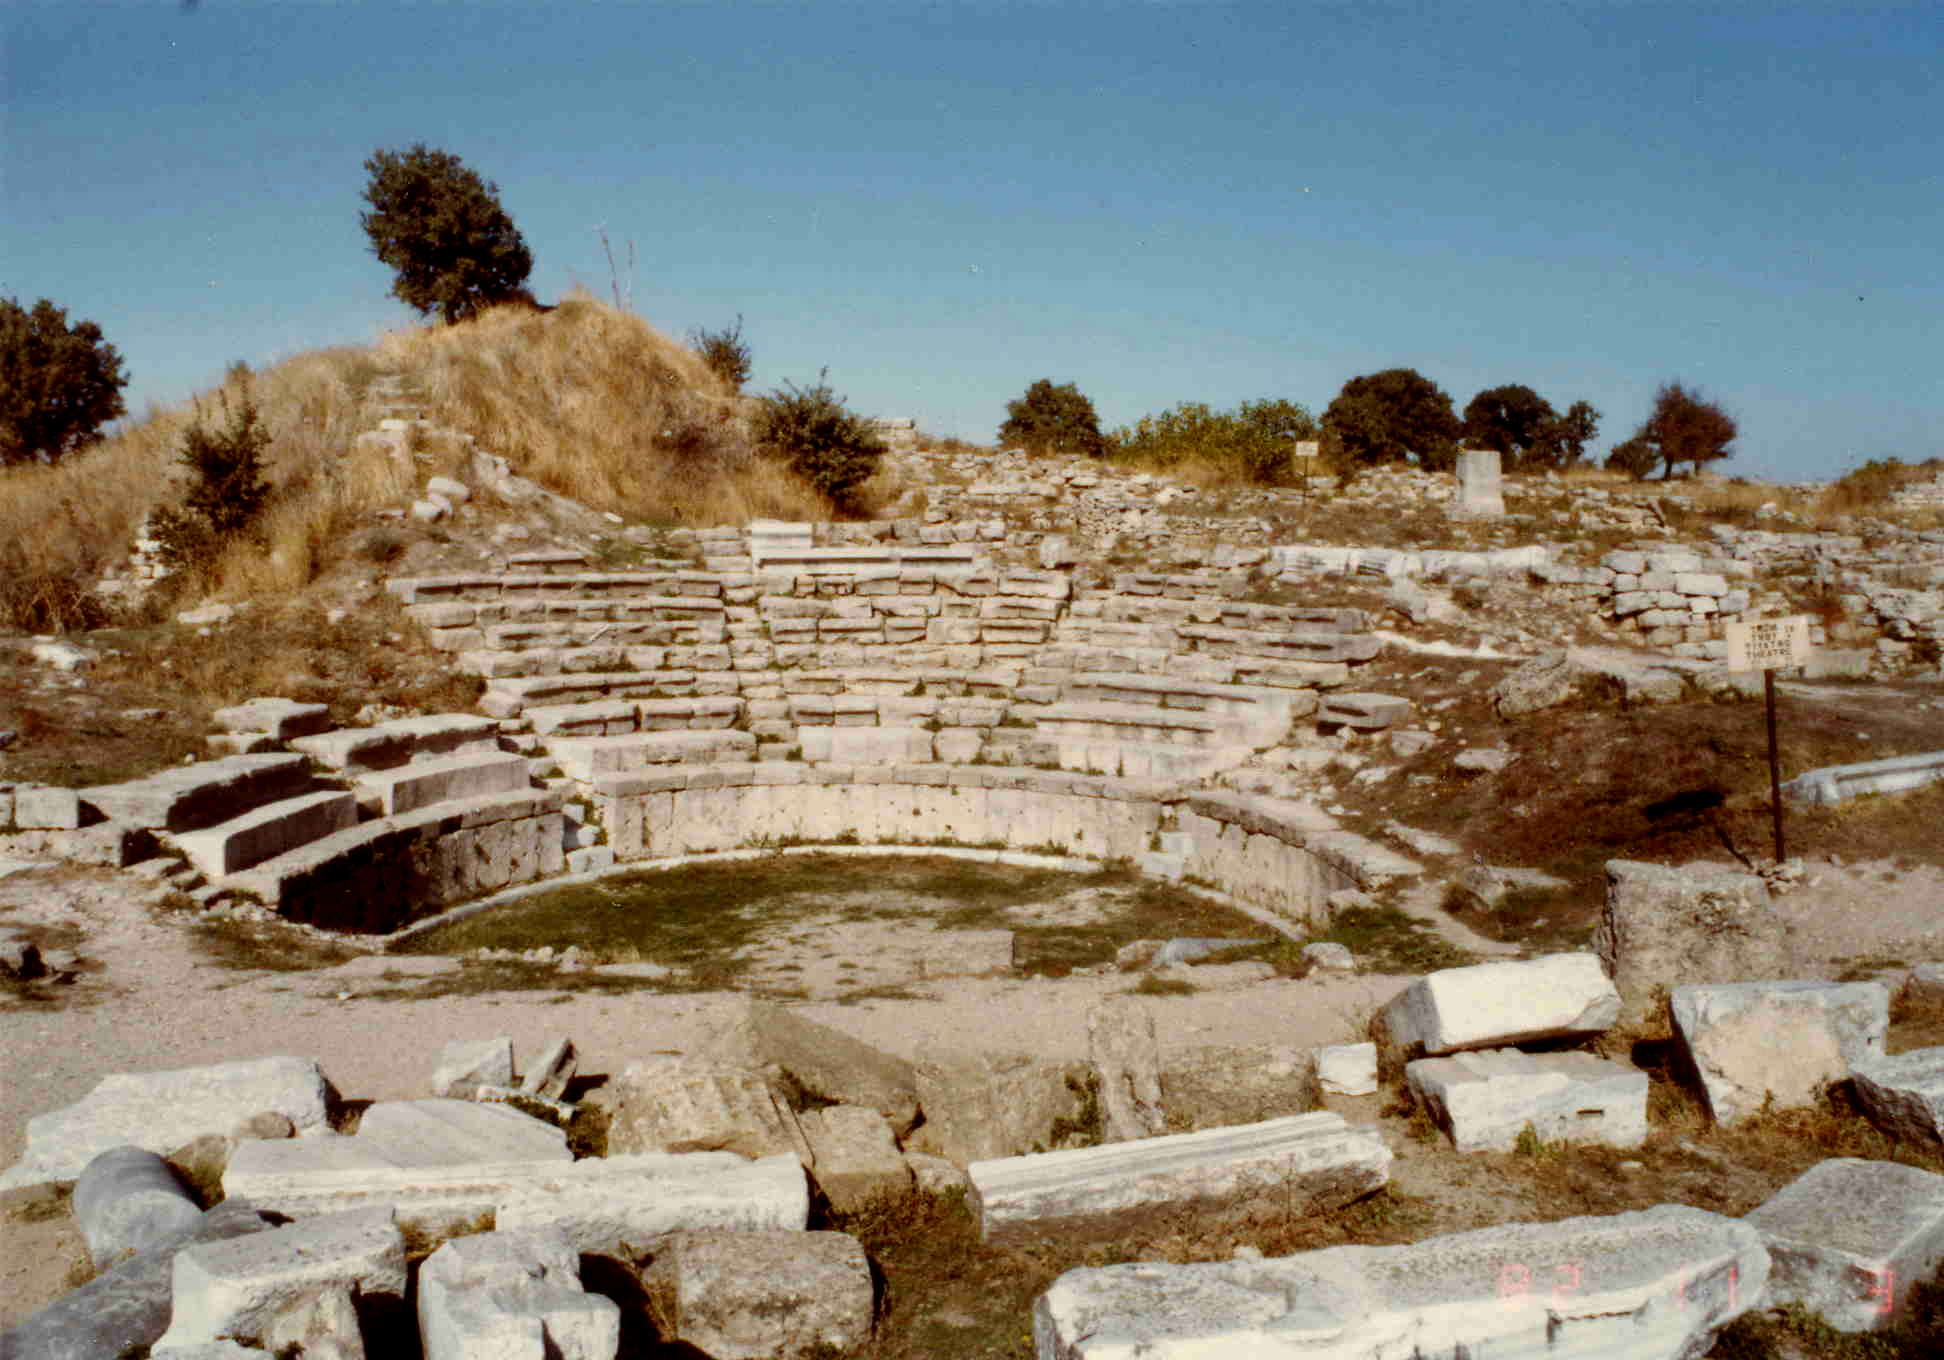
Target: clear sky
942,202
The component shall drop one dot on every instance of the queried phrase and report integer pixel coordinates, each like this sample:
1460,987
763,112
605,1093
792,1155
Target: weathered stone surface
267,831
1750,1042
1307,1162
824,1061
512,1296
855,1157
163,1110
201,794
448,1133
1849,1239
467,1063
1662,927
674,1103
1127,1059
764,1296
127,1200
1347,1069
1210,1086
1904,1095
126,1308
234,1289
1485,1099
322,1324
282,719
1491,1005
985,1105
1660,1283
549,1074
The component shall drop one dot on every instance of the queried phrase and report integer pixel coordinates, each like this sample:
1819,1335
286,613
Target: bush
442,230
1637,458
59,384
1051,419
226,488
1256,442
724,352
821,439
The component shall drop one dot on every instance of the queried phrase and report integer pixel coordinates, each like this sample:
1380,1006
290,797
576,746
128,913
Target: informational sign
1768,644
1309,448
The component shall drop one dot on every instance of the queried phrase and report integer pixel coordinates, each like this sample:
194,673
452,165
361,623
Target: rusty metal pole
1775,768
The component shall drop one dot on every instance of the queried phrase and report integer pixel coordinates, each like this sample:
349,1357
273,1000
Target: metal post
1775,768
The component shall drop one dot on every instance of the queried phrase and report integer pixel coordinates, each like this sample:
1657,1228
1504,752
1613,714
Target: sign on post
1767,645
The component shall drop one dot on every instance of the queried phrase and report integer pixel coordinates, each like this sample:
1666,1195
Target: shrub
1636,458
724,352
1050,419
1873,485
822,440
1397,415
59,384
1255,442
442,230
226,488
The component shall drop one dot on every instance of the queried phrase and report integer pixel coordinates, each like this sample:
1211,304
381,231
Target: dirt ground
152,998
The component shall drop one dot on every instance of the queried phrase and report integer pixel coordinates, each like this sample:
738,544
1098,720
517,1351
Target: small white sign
1768,644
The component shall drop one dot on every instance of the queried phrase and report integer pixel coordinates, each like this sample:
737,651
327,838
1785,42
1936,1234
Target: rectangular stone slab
1314,1162
1849,1239
1492,1005
267,831
201,794
1659,1283
1484,1099
1904,1095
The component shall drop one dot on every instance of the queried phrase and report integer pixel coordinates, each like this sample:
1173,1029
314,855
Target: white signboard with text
1768,644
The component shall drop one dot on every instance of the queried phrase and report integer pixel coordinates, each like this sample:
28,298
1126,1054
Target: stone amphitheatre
1642,1091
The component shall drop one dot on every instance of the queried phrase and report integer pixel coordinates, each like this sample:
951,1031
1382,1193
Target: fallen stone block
675,1103
1127,1059
1751,1042
1660,1283
164,1110
127,1200
321,1324
280,719
512,1296
451,1132
1362,712
1904,1095
758,1296
1849,1240
233,1290
466,1063
1662,927
550,1073
855,1157
824,1061
1486,1098
46,807
1492,1005
127,1307
987,1105
1303,1164
1209,1086
1347,1069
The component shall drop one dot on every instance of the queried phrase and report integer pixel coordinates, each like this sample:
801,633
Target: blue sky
941,203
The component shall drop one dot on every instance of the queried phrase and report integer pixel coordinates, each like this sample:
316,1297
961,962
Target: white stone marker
1313,1161
1655,1284
1848,1239
1492,1005
1481,489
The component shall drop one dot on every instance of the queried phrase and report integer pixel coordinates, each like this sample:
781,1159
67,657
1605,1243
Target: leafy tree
1051,419
1393,416
1685,427
829,445
1523,426
724,352
1257,439
1636,458
226,487
59,384
442,230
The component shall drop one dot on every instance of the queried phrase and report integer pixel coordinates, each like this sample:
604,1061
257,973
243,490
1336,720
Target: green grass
1387,940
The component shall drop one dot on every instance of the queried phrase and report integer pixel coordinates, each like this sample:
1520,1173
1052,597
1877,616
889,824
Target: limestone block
989,1105
323,1324
467,1063
185,797
1485,1099
1904,1095
1347,1069
1363,712
450,1132
1491,1005
1304,1163
126,1308
282,719
234,1289
1849,1239
764,1296
164,1110
603,1203
127,1200
856,1158
1660,1283
267,831
1749,1042
512,1296
549,1074
1211,1086
425,782
676,1103
42,807
1127,1059
1663,926
825,1061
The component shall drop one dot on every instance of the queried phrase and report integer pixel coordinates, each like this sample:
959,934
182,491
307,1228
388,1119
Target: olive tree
443,232
59,384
